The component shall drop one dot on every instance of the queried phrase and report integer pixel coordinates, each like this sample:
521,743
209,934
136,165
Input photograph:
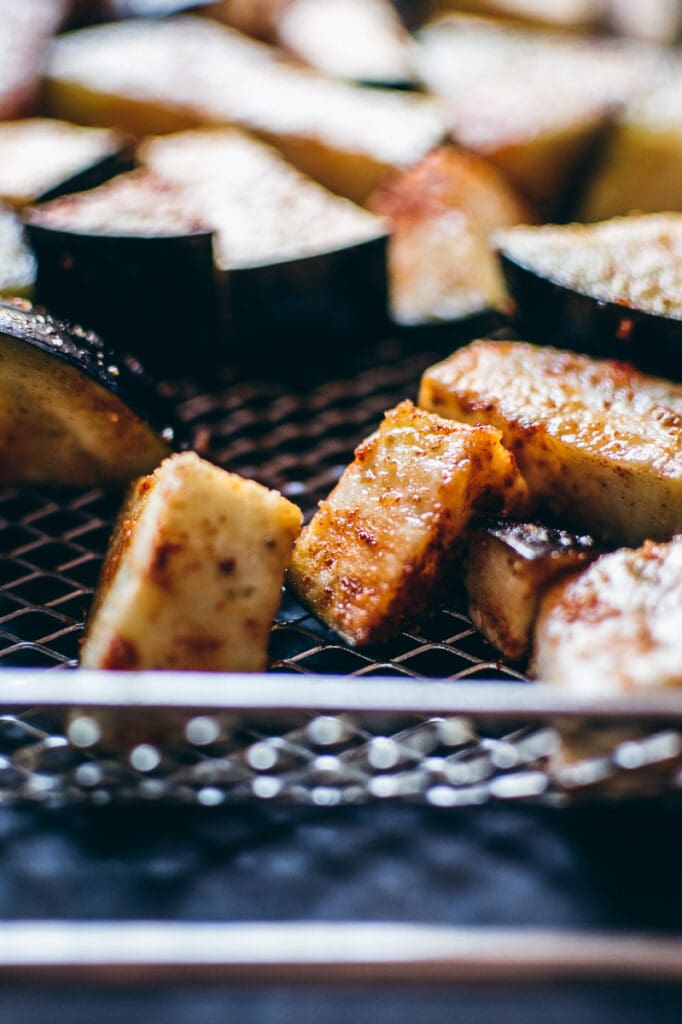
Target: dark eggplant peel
611,289
73,413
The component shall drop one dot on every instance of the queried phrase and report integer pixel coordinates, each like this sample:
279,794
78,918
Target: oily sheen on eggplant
612,289
72,412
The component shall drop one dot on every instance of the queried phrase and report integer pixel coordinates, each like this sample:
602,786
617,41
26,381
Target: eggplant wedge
42,158
376,550
441,213
612,289
153,78
575,15
18,267
193,576
358,40
640,167
26,27
599,443
509,565
615,628
294,261
133,259
72,412
493,81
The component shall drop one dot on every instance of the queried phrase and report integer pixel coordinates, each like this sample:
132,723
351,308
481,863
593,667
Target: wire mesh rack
293,427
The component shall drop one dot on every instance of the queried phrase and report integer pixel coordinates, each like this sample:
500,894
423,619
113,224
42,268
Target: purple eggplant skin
548,313
339,297
117,372
95,174
154,296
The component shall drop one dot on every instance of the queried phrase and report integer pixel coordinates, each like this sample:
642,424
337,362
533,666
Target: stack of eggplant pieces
243,177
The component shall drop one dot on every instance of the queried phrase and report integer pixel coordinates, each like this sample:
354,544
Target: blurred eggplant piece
611,289
294,261
599,444
26,27
579,15
615,628
441,214
655,21
359,40
193,576
42,158
377,548
17,263
508,567
258,18
73,413
133,259
641,166
151,77
534,103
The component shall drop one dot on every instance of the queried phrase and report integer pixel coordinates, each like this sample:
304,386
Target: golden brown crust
597,441
379,545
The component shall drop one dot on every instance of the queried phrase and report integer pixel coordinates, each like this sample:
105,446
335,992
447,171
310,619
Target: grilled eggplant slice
599,443
441,214
193,576
25,31
508,566
372,555
150,78
359,40
494,83
17,262
41,158
641,166
616,627
258,18
294,260
134,238
611,289
73,413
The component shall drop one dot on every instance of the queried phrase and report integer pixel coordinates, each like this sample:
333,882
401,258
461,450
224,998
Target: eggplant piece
359,40
193,576
494,83
656,21
376,550
17,263
42,158
441,213
599,444
294,260
615,628
151,78
72,412
258,18
640,168
133,259
508,566
612,289
576,15
26,27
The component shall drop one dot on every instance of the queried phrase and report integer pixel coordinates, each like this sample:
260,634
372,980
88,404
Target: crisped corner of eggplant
598,442
508,566
375,551
194,572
